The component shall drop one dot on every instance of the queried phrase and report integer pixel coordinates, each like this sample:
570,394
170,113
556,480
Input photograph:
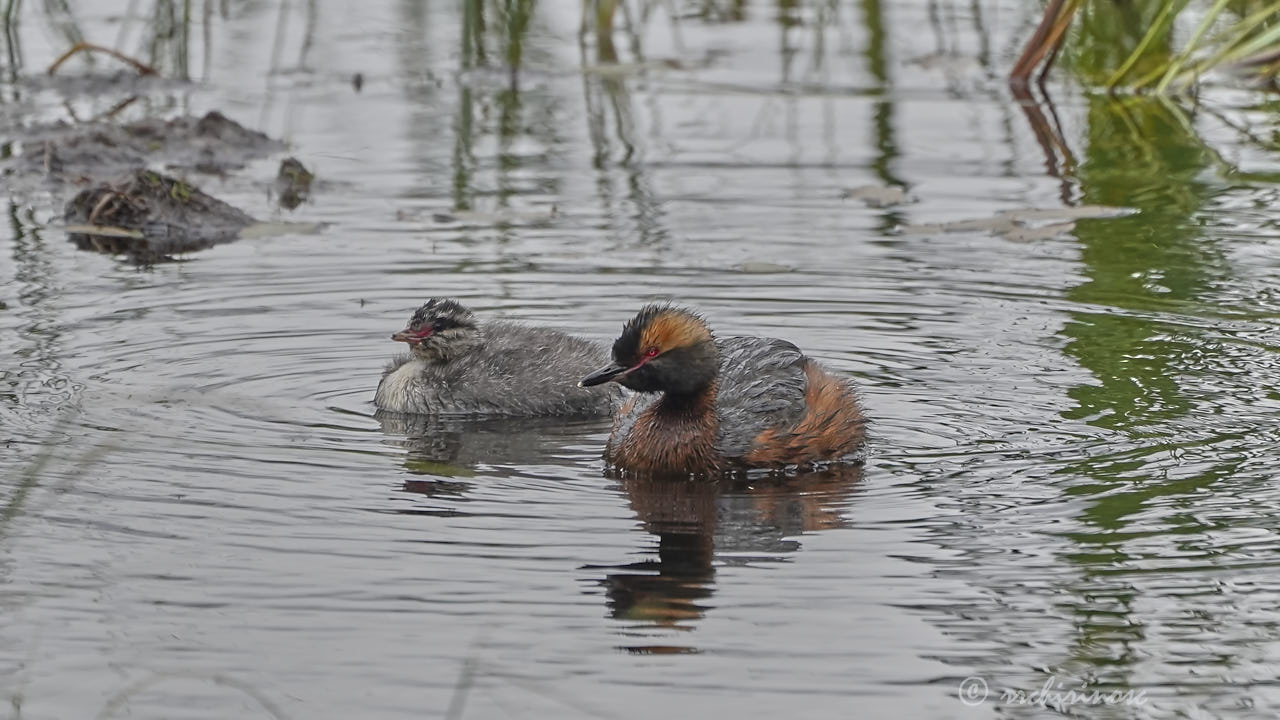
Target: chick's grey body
502,368
760,385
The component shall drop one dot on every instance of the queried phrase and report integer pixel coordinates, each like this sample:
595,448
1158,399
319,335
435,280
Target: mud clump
150,217
210,144
293,183
127,209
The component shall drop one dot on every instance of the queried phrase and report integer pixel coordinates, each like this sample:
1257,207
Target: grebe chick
459,365
708,405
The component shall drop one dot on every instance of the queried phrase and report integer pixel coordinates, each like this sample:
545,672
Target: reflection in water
883,121
1059,162
492,101
440,452
1134,269
1139,265
37,380
740,520
610,114
454,447
1146,279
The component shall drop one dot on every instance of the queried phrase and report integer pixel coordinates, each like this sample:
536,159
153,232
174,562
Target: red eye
651,352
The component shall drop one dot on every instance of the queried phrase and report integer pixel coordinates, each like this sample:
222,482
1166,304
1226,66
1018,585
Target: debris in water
293,183
70,153
1020,233
1024,225
501,216
878,196
150,217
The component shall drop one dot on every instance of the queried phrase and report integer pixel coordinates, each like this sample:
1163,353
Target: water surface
1074,439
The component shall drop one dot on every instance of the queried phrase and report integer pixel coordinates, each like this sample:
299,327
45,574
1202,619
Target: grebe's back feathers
761,385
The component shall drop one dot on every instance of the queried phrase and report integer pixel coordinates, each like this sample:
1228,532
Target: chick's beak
411,336
603,375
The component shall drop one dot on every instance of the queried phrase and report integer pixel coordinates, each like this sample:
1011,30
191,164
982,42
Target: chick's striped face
439,329
434,318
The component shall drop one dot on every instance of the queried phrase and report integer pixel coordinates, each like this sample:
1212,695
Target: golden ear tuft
674,329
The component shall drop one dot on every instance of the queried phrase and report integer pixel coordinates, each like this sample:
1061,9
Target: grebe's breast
760,385
402,388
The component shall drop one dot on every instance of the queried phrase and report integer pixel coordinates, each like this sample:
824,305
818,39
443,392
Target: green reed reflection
1144,325
1139,156
494,42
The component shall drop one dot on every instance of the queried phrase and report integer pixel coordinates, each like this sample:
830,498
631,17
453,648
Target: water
1071,471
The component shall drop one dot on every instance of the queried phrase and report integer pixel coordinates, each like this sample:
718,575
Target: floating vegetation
149,217
878,196
130,210
293,183
212,144
1023,225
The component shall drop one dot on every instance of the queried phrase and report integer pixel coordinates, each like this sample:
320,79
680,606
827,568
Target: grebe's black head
662,349
440,330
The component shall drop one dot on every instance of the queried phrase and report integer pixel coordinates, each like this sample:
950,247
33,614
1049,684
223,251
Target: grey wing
537,373
762,385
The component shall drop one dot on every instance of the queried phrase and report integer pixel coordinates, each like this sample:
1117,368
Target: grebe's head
441,330
662,349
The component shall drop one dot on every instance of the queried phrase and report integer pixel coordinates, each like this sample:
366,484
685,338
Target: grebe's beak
603,375
411,336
